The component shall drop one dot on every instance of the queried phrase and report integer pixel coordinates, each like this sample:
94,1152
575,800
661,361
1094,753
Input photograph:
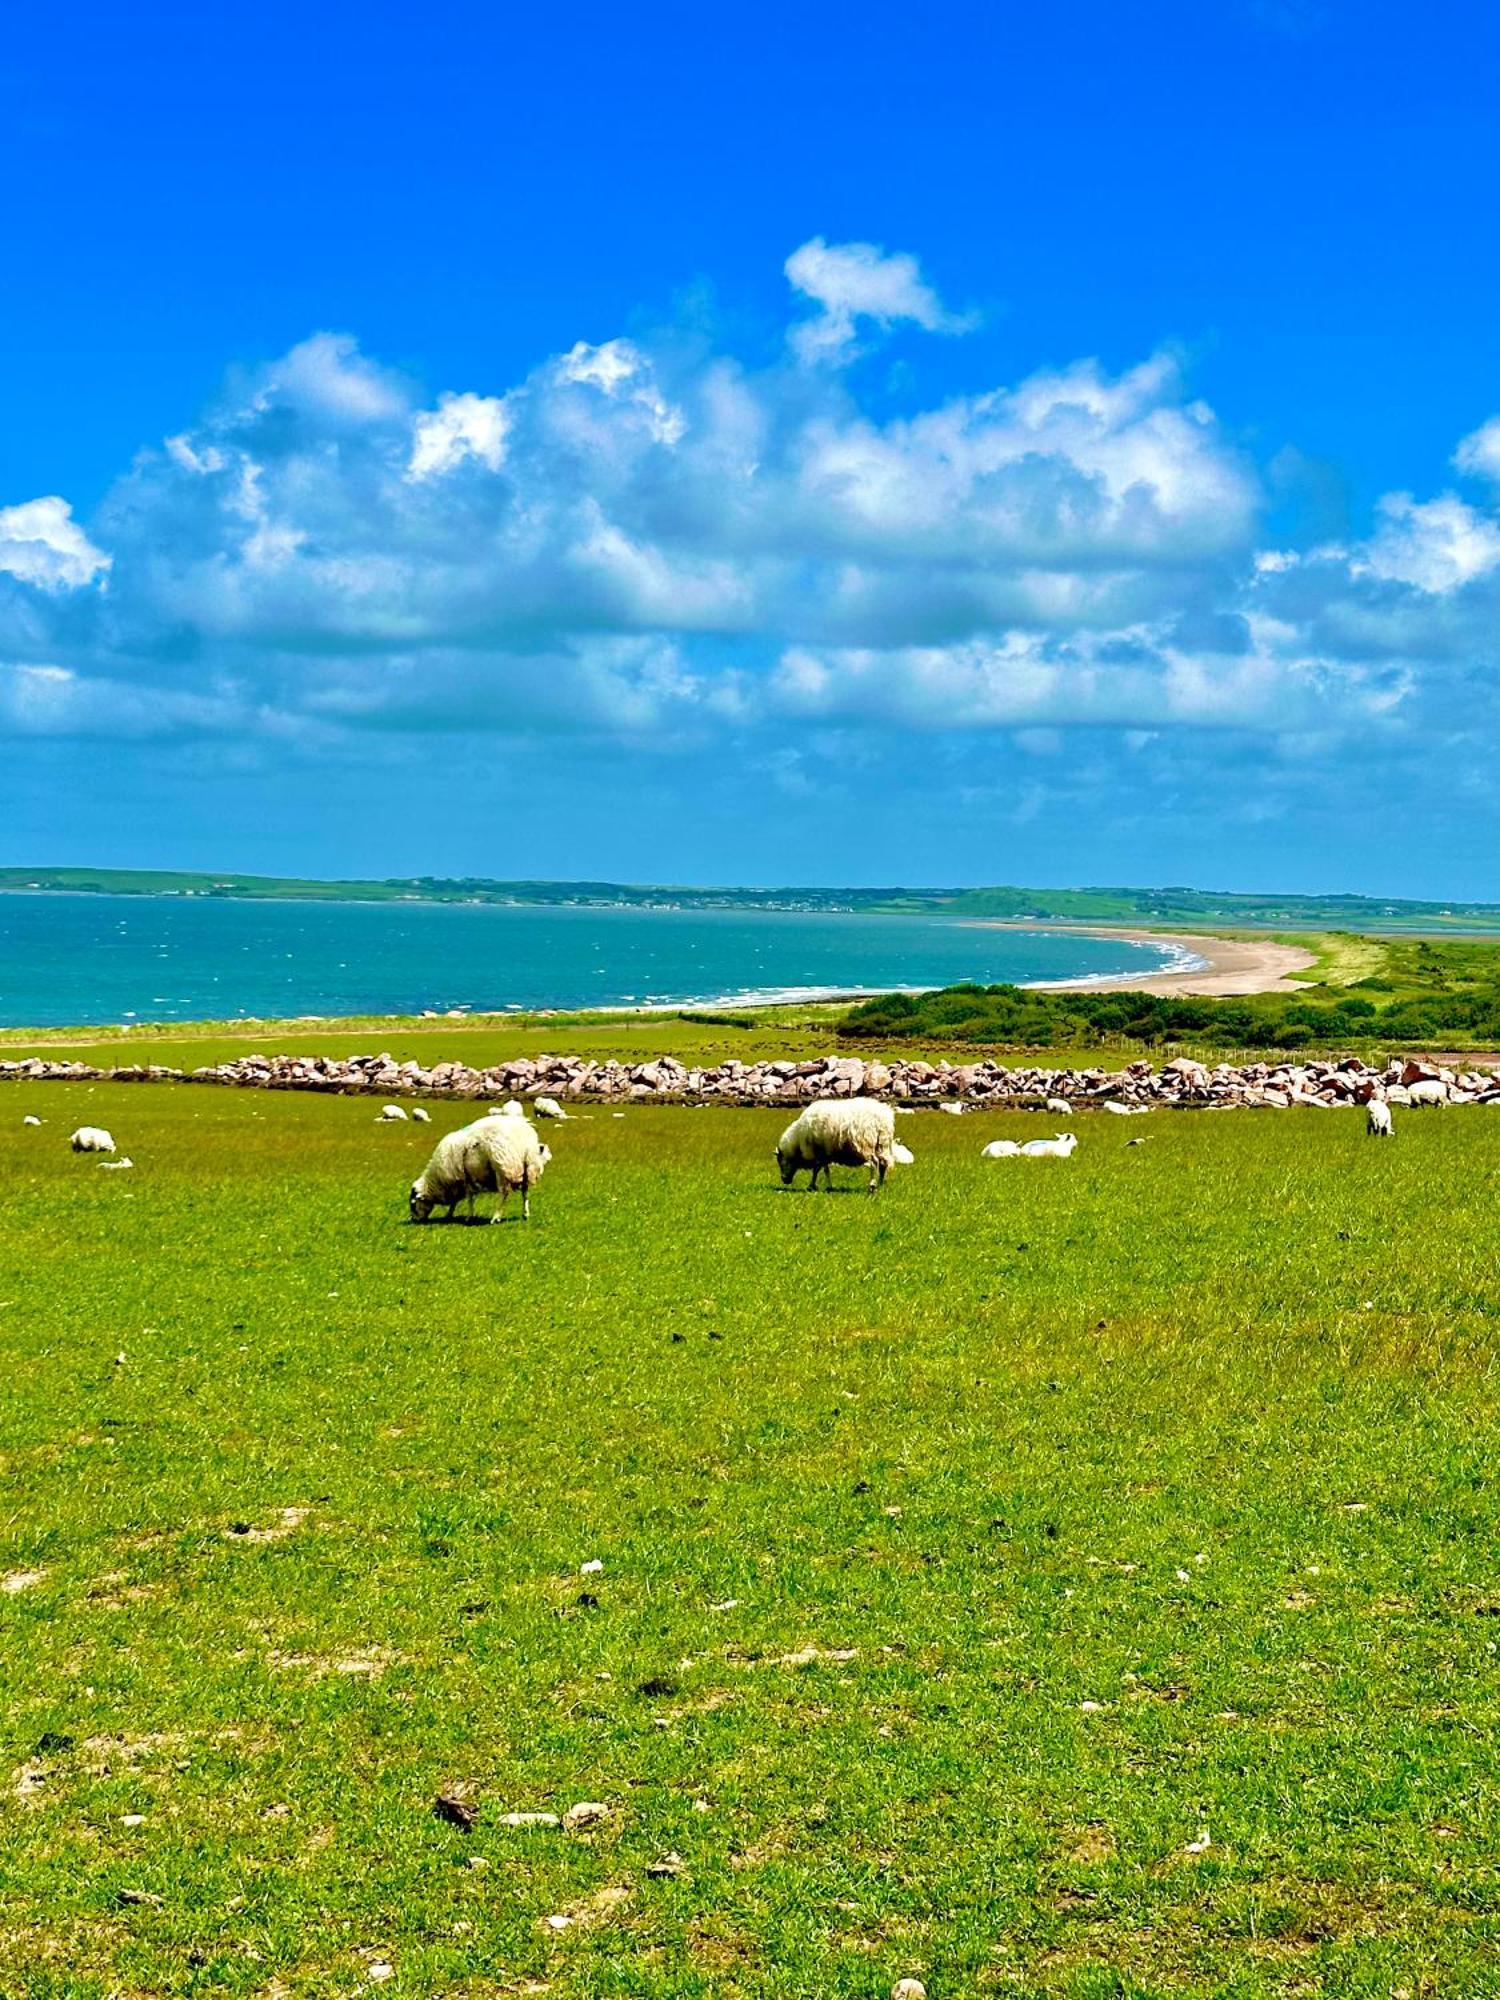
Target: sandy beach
1231,965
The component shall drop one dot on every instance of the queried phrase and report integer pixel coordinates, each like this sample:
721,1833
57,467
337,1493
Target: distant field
1061,1580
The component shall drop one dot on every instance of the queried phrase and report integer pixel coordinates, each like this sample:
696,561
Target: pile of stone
1180,1083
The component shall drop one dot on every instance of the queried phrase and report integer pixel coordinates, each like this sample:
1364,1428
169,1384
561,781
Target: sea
88,960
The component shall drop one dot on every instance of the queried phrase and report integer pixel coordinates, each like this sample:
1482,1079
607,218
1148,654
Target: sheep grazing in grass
499,1156
91,1139
1127,1110
1001,1149
1379,1123
511,1108
419,1116
953,1110
839,1132
902,1156
1059,1107
391,1114
31,1119
1059,1148
548,1107
1431,1091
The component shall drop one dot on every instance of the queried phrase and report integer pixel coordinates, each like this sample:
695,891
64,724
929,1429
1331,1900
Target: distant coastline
1208,967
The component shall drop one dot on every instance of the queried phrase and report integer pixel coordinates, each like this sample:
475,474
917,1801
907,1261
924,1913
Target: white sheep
953,1110
31,1119
391,1114
491,1156
548,1107
839,1132
1059,1148
903,1156
1126,1110
91,1139
511,1108
1059,1107
419,1116
1001,1149
1429,1091
1379,1123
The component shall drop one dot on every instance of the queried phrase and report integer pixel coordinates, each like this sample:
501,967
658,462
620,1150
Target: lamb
1126,1110
391,1114
1001,1149
1379,1123
91,1139
1059,1107
1429,1091
511,1108
903,1156
31,1119
548,1107
953,1110
419,1116
839,1132
1059,1148
491,1156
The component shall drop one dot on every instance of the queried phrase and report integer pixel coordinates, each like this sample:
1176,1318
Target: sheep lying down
500,1156
839,1132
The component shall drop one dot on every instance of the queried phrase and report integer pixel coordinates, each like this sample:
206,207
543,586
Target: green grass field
972,1557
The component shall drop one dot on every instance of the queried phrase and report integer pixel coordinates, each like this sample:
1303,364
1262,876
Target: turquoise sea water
88,959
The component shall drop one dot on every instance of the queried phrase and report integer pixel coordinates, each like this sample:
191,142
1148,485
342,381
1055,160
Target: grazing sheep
1001,1149
839,1132
1430,1091
548,1107
511,1108
91,1139
1126,1110
1059,1107
31,1119
903,1156
953,1110
491,1156
1059,1148
391,1114
419,1116
1379,1123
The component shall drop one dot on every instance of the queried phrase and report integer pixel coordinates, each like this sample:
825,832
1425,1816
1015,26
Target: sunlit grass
1055,1512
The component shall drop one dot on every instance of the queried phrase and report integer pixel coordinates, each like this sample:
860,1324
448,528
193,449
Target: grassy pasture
1055,1513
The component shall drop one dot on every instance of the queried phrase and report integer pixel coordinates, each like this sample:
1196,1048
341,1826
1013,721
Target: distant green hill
1160,907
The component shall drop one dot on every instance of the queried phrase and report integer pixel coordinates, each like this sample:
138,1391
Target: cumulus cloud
643,542
41,544
461,427
850,282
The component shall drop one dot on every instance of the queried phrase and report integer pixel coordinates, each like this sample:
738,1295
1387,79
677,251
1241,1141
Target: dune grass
1057,1580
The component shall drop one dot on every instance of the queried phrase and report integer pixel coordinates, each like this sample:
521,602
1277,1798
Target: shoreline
1214,968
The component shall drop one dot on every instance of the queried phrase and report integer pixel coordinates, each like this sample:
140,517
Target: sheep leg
499,1215
526,1194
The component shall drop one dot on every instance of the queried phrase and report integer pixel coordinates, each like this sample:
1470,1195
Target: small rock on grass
586,1813
530,1819
668,1866
908,1989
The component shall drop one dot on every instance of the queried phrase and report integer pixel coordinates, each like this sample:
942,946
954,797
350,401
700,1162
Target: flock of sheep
502,1153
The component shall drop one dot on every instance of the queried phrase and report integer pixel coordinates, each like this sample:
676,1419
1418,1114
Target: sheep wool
839,1132
91,1139
492,1156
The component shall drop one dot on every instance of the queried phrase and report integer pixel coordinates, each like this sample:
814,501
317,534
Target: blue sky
827,445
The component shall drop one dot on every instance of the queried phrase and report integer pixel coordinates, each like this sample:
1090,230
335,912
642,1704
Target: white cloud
42,544
1479,452
851,282
643,541
1436,545
461,427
